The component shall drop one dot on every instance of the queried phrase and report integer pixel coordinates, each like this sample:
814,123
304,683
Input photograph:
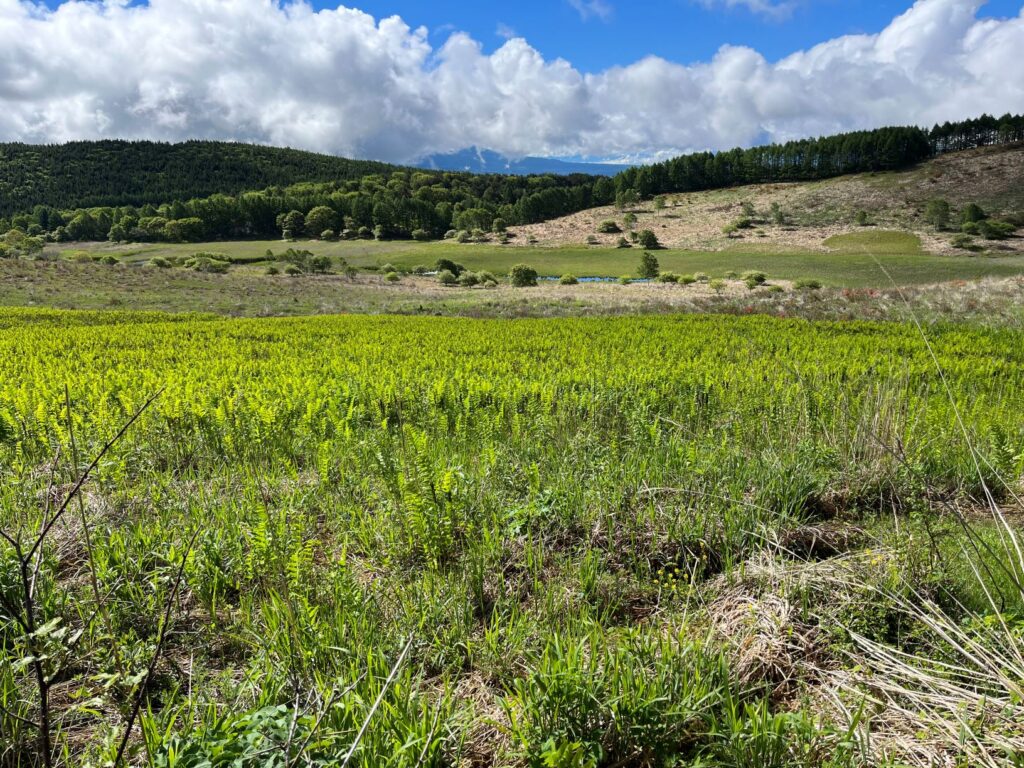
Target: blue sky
684,31
618,80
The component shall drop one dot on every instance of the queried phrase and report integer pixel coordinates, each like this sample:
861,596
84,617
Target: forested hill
142,191
90,174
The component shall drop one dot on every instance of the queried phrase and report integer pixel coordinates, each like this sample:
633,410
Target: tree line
376,200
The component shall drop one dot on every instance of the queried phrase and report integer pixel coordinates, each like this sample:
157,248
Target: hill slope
992,177
85,174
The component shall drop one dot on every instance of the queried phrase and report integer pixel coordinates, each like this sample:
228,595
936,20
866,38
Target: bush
328,234
861,217
807,284
447,277
109,259
161,262
449,265
753,275
717,285
608,227
479,236
687,279
964,242
936,213
568,280
392,277
701,277
468,279
421,235
464,236
523,276
498,226
776,289
364,233
387,268
625,280
970,228
420,269
592,240
752,284
668,277
451,234
273,270
649,267
972,213
647,239
623,243
730,275
207,262
730,230
292,271
777,214
995,230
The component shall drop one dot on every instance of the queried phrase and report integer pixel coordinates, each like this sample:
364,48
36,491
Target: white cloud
339,81
774,9
588,9
504,31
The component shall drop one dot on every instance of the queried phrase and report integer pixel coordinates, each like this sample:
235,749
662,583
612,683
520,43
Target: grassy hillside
806,214
86,174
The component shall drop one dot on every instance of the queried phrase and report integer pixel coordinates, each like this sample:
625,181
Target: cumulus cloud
340,81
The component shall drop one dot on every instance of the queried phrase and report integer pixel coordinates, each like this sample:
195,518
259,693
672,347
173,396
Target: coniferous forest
195,191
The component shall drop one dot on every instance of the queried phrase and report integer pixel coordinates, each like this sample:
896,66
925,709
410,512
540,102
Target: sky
398,80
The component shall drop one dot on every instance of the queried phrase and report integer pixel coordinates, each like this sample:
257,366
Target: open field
854,263
573,542
246,291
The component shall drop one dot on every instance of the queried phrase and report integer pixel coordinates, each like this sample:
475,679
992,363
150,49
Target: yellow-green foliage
526,505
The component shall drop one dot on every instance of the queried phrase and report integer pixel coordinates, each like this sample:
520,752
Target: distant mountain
487,161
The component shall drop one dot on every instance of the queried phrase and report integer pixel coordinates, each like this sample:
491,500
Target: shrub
364,233
623,243
970,228
777,214
523,276
387,267
749,211
392,277
806,283
451,234
592,240
630,220
701,277
861,217
479,236
936,213
687,279
463,236
668,277
468,279
730,275
421,235
161,262
625,280
328,234
273,270
648,239
751,283
503,238
730,230
608,227
776,289
292,271
447,277
498,226
205,262
450,266
649,267
995,230
972,213
420,269
568,280
755,276
717,285
492,283
109,259
964,242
